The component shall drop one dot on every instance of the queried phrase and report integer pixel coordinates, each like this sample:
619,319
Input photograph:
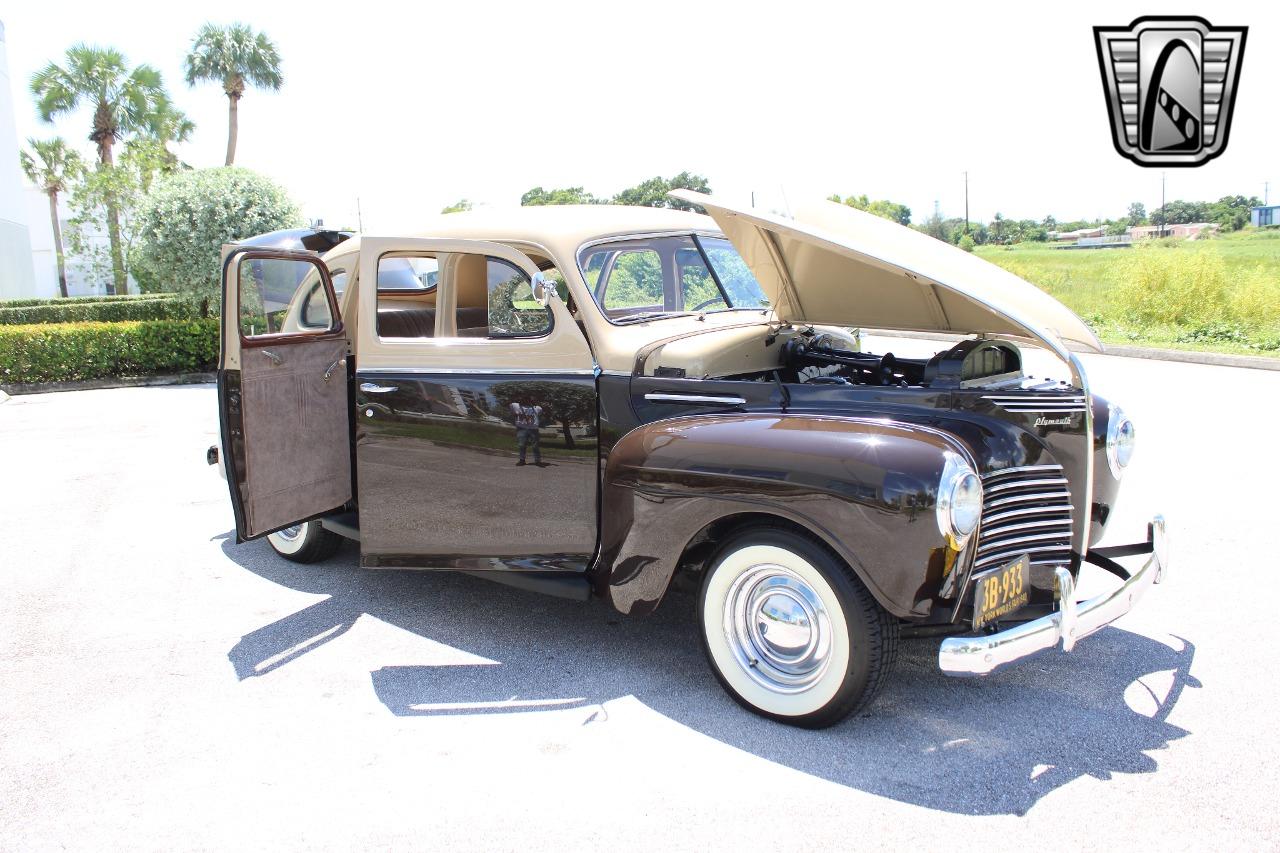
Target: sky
411,107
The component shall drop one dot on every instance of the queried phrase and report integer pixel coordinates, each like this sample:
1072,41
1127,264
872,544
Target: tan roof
560,228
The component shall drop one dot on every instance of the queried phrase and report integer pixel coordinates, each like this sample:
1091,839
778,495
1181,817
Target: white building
17,274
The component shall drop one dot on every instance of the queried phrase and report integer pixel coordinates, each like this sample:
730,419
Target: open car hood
839,266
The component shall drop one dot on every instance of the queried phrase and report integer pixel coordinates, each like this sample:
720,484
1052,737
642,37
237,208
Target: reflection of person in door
528,422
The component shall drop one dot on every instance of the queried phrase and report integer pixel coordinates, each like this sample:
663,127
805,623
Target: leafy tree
966,242
184,220
935,226
52,167
458,207
899,213
562,402
120,186
1137,213
1049,223
236,57
653,192
122,101
1181,212
165,126
568,195
1232,211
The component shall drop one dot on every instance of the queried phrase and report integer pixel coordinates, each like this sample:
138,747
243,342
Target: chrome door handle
342,362
275,359
370,388
661,397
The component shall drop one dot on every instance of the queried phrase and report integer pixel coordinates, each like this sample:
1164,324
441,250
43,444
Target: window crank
275,359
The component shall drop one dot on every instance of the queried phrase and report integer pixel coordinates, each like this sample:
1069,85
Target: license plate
1000,592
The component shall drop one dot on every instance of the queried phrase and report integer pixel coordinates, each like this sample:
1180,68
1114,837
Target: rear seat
407,323
473,322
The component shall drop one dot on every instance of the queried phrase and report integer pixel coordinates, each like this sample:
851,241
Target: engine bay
813,357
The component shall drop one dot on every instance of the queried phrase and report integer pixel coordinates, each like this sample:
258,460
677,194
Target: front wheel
791,633
307,542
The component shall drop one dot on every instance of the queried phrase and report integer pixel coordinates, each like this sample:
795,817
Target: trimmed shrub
185,218
82,300
161,307
55,353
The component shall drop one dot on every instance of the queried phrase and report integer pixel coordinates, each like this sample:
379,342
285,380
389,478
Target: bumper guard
964,656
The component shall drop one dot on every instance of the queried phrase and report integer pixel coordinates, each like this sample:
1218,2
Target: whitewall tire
307,542
790,631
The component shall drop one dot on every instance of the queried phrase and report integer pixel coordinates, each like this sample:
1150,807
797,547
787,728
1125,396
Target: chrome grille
1025,510
1039,403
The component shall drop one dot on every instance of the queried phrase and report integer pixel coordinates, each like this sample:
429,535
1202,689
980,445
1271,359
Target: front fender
866,487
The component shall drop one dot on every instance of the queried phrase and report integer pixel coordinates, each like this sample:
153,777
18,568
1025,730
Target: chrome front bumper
1074,620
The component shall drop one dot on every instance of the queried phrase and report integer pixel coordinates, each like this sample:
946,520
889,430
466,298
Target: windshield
647,277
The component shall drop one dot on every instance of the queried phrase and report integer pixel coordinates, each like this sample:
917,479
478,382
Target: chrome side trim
503,371
1086,523
659,397
964,656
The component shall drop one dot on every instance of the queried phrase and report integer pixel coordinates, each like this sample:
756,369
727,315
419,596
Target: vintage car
587,401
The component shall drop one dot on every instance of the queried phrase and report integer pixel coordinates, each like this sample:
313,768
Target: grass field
1098,284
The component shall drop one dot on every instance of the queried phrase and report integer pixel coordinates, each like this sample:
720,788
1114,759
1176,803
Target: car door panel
437,445
283,392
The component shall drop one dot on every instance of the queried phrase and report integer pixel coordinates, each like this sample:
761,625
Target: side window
698,289
633,278
410,285
274,293
513,312
315,310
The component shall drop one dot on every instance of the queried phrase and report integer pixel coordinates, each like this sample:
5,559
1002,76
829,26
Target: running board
571,585
343,523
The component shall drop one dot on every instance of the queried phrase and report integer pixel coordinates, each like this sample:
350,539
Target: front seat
471,286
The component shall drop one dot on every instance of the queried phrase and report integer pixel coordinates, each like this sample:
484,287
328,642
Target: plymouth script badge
1170,84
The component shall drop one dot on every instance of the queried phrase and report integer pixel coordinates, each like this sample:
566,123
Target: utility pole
966,202
1164,214
359,217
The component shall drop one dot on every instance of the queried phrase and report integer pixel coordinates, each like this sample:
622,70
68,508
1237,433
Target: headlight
959,500
1120,438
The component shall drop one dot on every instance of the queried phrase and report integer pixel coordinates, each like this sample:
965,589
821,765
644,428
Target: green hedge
53,353
170,307
83,300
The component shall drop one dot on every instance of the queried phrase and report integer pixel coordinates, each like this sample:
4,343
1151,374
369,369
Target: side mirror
544,288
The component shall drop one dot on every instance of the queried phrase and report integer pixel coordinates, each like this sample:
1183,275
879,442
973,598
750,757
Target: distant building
1065,236
1184,230
1262,216
17,276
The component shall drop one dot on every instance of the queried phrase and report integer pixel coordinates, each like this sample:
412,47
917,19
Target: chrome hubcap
777,629
290,534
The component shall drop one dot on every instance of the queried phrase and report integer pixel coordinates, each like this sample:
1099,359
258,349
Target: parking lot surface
164,688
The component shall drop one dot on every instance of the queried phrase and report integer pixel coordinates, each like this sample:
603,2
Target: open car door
282,390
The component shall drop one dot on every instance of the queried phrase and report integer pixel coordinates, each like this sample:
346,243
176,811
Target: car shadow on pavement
969,746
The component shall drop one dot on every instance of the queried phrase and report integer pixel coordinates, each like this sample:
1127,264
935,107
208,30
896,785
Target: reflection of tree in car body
563,403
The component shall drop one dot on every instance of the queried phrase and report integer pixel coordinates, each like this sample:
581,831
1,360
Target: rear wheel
307,542
791,633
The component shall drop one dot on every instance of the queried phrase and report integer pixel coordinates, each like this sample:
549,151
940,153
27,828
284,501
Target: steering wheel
712,301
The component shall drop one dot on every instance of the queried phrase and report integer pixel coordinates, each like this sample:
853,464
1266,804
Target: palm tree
166,125
122,102
236,57
52,168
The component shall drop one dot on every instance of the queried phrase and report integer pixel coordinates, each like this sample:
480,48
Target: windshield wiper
651,315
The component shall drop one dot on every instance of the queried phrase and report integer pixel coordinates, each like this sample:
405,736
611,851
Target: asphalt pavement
163,688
